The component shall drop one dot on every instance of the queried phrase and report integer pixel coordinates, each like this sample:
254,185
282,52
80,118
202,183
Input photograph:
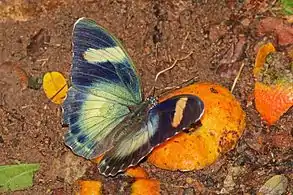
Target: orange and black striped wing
162,122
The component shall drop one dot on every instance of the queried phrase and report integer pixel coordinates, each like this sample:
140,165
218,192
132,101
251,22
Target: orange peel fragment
273,89
262,53
145,186
90,187
136,172
222,124
272,101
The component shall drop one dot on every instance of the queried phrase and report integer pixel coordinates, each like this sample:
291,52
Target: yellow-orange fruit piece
136,172
145,186
272,101
262,53
222,124
90,187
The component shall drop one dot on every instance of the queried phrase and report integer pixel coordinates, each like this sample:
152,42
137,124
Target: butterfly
105,109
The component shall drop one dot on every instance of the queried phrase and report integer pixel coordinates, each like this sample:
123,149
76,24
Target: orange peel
90,187
272,101
273,89
222,125
262,53
136,172
145,186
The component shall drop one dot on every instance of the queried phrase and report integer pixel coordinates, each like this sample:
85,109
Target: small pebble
189,180
188,191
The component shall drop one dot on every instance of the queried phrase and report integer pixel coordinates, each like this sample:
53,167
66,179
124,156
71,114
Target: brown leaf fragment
281,140
217,32
228,66
38,43
58,191
282,30
236,51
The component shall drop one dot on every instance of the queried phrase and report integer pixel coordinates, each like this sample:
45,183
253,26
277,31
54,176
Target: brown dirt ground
30,127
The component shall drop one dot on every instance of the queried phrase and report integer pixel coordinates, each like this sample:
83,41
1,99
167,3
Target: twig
152,91
157,53
44,61
186,37
237,77
172,66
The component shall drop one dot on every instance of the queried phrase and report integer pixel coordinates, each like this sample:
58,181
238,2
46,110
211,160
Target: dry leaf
275,185
55,87
282,30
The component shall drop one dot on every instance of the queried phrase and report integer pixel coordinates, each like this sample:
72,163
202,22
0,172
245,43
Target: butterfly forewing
101,66
104,84
161,123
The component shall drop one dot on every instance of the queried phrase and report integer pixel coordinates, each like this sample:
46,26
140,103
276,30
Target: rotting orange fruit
222,125
145,186
89,187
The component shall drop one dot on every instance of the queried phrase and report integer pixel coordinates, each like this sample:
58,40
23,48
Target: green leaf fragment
35,82
17,177
287,6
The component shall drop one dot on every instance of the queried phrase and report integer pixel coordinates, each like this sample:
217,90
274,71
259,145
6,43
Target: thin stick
152,91
186,37
237,77
157,51
172,66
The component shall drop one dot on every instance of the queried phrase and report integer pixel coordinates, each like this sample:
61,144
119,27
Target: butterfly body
104,107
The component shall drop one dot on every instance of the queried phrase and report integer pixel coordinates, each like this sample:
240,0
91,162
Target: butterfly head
153,101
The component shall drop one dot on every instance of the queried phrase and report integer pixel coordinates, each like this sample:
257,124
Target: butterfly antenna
183,84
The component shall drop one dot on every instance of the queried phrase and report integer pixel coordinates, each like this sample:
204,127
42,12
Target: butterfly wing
161,123
104,84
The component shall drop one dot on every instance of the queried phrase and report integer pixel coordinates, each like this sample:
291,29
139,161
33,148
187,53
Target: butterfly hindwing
104,84
162,122
91,120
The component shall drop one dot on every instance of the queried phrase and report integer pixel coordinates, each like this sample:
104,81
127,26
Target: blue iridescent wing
101,65
161,123
104,84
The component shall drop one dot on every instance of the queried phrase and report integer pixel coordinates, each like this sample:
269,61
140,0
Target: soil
221,34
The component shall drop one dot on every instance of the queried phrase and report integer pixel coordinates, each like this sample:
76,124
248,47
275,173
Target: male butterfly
105,110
